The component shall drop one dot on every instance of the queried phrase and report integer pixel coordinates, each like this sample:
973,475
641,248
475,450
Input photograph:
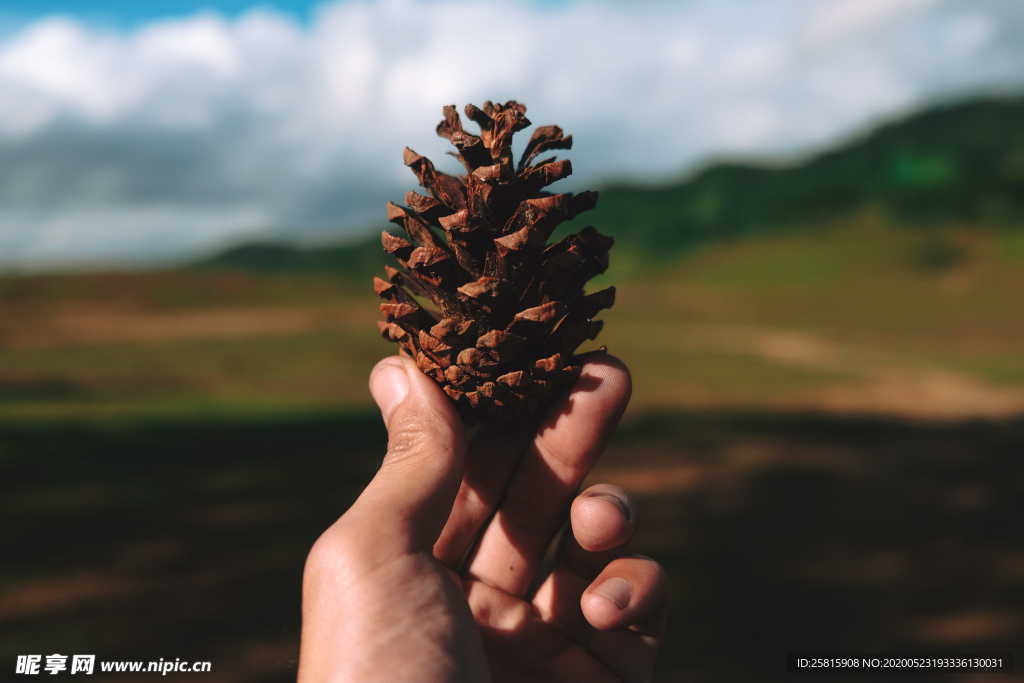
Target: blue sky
153,131
130,13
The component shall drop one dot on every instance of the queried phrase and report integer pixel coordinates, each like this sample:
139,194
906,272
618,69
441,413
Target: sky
152,132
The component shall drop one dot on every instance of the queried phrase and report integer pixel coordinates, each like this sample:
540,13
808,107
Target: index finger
537,499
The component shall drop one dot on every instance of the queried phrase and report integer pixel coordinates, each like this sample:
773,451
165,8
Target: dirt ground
780,532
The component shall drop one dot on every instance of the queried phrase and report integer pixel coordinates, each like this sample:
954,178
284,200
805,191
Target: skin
437,572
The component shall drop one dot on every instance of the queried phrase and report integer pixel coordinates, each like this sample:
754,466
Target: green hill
960,162
358,260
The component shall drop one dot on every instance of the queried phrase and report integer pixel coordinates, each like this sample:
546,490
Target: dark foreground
780,533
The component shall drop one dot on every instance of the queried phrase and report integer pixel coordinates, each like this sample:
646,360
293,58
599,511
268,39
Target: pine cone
510,308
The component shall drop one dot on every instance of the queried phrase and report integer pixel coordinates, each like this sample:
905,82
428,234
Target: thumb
412,493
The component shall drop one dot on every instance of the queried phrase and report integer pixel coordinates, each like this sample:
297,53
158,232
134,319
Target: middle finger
534,506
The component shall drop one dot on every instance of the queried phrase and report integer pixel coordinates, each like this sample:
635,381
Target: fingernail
389,386
624,508
617,590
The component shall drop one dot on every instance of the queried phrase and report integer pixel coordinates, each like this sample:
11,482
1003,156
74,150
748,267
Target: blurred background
819,215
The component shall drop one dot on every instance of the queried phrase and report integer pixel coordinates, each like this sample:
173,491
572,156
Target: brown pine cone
489,309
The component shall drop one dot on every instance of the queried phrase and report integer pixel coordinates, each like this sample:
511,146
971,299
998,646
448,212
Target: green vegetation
360,259
959,163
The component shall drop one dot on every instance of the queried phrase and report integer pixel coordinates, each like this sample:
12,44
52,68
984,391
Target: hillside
961,162
356,260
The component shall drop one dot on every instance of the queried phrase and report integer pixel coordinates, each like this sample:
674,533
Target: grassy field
824,441
854,317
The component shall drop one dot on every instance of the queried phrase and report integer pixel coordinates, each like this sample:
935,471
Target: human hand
432,574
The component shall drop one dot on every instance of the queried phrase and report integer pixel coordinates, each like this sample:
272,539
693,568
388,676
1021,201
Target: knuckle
406,440
413,435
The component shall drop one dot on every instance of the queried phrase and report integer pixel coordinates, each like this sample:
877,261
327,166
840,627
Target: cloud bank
184,133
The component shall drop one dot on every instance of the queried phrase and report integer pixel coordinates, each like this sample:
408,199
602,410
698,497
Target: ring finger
602,521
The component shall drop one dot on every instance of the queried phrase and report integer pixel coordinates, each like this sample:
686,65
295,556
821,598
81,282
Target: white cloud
185,132
836,19
970,32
